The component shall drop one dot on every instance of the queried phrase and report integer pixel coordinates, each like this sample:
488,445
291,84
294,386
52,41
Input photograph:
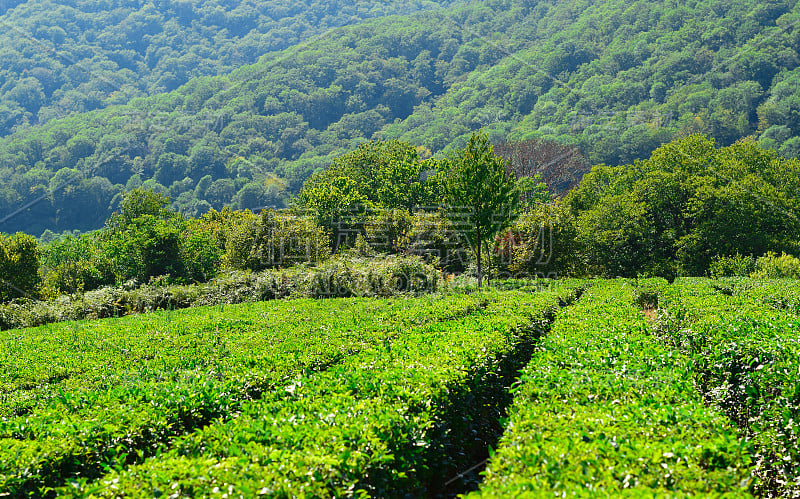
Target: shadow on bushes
341,276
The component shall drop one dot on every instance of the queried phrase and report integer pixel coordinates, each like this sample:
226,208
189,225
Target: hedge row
742,338
338,277
401,419
605,409
77,399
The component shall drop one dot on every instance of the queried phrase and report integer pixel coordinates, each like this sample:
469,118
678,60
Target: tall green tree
376,175
137,203
689,203
389,174
148,247
145,239
479,195
19,266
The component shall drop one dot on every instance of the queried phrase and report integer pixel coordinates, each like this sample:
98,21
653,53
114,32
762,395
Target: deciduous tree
480,195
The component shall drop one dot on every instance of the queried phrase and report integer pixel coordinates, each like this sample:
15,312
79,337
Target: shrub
275,240
542,242
386,231
199,252
400,275
772,266
732,266
437,241
147,247
647,293
19,266
345,276
76,264
145,240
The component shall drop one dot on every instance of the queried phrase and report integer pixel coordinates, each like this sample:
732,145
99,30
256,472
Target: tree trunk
480,275
488,265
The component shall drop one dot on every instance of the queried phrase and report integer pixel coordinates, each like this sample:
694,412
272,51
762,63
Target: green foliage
742,346
437,240
170,168
388,230
772,266
145,239
478,193
731,266
137,203
688,203
604,408
384,396
345,276
147,247
275,240
533,191
75,264
542,242
376,176
388,174
199,252
19,267
647,293
272,193
338,206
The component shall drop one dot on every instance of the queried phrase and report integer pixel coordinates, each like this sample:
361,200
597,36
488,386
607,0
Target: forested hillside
614,78
59,58
620,78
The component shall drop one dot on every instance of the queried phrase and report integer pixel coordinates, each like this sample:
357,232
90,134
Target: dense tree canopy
689,202
378,175
78,55
616,80
691,208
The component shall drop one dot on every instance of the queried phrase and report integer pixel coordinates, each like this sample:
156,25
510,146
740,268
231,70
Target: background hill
63,57
614,78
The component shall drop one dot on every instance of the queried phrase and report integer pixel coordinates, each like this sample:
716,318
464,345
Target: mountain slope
619,78
614,78
58,58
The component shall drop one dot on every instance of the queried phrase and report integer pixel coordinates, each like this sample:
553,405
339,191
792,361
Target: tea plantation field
544,389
